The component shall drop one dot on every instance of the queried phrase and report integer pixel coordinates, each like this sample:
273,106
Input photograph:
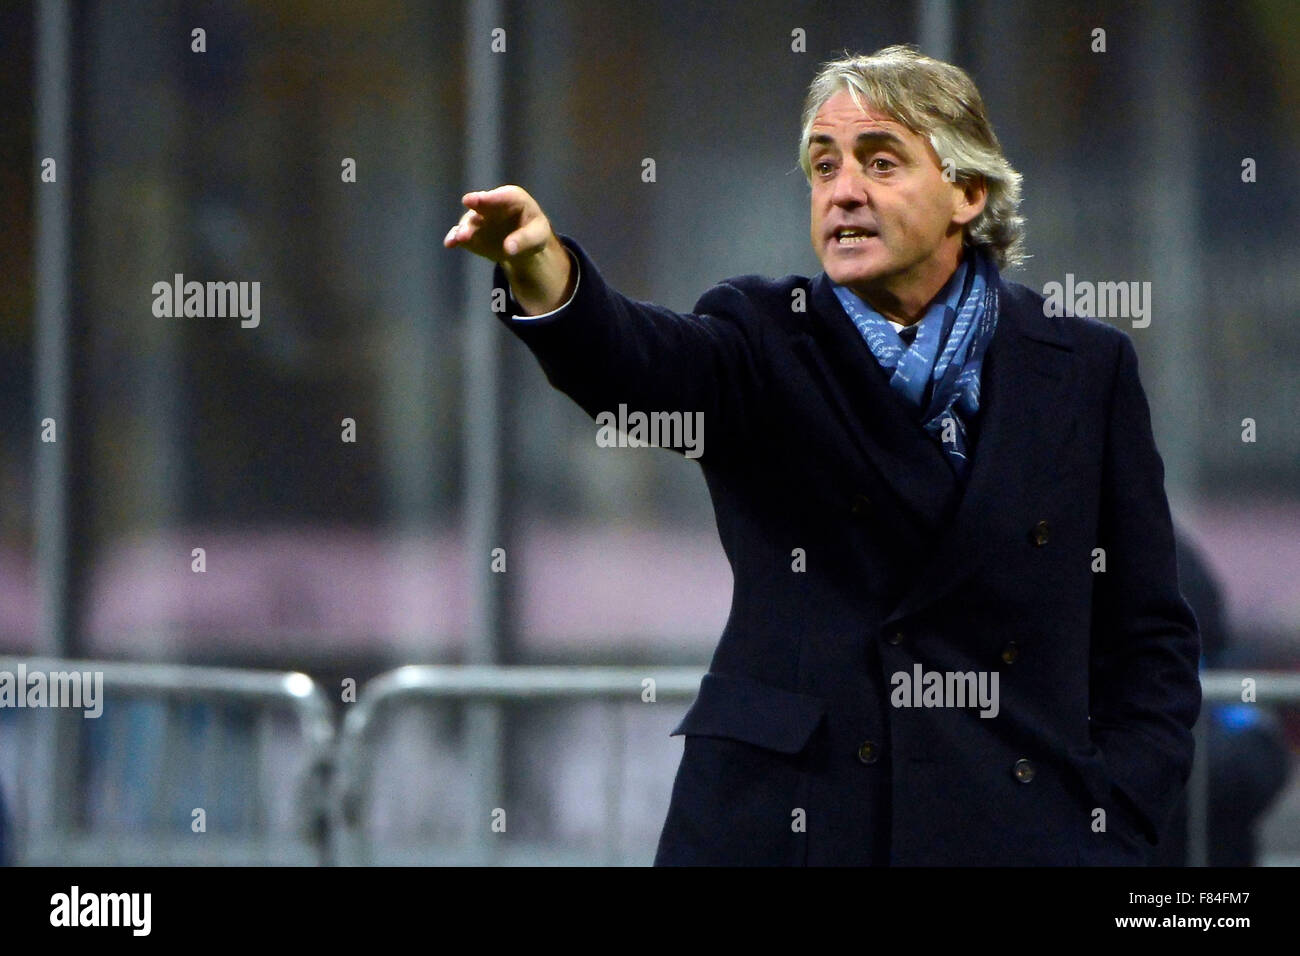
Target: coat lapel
1027,413
1025,416
900,454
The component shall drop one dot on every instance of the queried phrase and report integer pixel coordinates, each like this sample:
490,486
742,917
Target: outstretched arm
605,350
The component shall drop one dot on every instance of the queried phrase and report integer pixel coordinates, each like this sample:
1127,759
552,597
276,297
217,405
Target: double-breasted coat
858,555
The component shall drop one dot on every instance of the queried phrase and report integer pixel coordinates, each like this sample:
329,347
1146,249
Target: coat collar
1026,412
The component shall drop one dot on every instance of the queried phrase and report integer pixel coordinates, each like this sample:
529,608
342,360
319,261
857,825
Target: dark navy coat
793,751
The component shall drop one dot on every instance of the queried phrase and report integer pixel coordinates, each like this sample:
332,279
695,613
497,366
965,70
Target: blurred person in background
1249,761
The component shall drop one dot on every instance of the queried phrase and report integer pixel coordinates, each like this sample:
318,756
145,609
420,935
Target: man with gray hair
923,482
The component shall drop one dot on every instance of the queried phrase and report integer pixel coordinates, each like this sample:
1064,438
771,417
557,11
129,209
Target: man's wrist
543,281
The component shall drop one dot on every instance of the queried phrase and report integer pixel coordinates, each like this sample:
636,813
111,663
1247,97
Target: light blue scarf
940,371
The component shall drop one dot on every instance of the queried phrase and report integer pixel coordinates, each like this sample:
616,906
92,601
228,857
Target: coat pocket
740,708
740,796
1121,843
1091,767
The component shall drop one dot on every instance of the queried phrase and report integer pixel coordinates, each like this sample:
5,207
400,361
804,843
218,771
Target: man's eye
889,164
819,166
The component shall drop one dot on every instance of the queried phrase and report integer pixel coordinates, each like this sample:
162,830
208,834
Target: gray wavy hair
939,101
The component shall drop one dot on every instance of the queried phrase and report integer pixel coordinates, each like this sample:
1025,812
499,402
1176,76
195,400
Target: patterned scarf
938,375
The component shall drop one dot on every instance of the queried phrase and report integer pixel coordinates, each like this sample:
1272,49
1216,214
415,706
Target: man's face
871,172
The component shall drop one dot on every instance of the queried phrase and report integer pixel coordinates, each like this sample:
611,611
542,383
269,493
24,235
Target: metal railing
56,840
495,685
337,783
490,686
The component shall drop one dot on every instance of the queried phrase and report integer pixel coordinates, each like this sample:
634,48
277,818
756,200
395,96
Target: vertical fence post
484,98
52,795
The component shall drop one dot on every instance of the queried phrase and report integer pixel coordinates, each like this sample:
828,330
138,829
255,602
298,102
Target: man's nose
849,188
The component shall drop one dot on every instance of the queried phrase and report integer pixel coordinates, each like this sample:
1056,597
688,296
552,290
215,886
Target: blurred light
300,685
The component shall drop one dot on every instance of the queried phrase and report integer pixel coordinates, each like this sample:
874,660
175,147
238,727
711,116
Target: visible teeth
854,238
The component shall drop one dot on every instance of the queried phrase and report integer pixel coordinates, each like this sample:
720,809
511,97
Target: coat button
869,752
1023,770
861,506
895,637
1039,535
1011,652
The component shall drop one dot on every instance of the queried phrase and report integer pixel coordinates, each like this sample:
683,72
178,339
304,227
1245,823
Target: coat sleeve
604,349
1145,691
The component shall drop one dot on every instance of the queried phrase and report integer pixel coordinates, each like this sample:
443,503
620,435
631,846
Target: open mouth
853,235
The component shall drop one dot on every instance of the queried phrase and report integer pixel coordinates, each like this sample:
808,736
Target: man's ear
973,193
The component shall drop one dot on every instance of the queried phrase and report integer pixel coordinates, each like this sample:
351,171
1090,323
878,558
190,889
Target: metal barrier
494,685
489,686
332,792
56,841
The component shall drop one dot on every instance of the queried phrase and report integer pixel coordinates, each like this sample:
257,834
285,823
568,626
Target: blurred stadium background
345,561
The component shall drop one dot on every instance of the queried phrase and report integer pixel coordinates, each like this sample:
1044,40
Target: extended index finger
500,196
